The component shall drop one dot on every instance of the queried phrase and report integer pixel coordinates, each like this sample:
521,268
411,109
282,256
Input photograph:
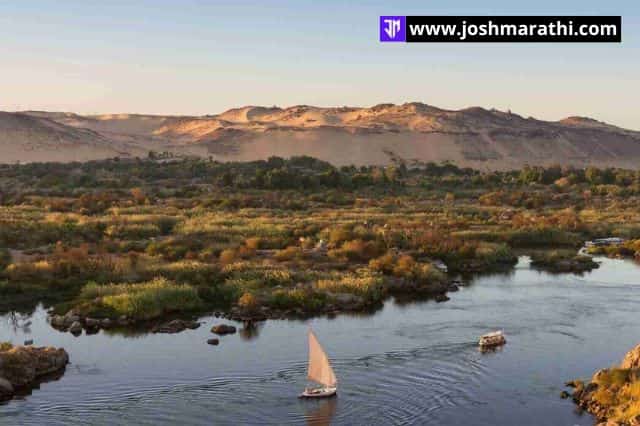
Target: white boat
495,338
319,372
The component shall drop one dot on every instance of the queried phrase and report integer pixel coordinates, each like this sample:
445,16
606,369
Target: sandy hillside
27,138
476,137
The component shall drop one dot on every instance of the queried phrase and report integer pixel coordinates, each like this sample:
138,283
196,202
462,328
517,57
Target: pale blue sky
202,57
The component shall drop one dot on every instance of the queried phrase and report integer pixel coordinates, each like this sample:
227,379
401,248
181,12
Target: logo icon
392,28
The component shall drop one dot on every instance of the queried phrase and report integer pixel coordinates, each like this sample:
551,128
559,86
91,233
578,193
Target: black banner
510,29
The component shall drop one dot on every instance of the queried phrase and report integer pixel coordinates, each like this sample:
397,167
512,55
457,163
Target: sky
203,57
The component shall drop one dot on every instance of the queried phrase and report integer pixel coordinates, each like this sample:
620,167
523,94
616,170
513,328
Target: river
415,363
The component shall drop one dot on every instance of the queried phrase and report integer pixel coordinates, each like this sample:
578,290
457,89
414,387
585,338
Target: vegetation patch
299,234
139,301
562,261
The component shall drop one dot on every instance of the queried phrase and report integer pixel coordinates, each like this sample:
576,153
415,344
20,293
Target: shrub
252,243
304,298
357,250
248,302
228,256
289,253
385,263
364,283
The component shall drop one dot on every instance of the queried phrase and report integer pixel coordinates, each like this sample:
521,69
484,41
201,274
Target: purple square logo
392,28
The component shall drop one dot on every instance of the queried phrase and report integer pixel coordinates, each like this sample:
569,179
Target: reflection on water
415,363
320,412
251,330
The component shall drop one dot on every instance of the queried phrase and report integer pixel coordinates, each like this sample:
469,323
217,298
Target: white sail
320,370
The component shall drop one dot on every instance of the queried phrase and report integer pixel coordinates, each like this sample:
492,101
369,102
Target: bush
358,250
248,302
303,298
289,253
364,283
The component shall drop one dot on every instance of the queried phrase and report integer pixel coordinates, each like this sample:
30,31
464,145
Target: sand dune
30,138
476,137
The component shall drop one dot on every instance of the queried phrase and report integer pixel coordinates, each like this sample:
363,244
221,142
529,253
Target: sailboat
319,371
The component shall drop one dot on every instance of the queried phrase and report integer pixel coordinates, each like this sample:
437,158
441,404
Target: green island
131,241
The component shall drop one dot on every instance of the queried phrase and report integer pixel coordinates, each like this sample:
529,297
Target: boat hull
492,340
319,392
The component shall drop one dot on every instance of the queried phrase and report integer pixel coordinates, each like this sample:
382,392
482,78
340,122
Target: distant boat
319,372
492,339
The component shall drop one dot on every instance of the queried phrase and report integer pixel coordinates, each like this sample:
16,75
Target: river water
414,363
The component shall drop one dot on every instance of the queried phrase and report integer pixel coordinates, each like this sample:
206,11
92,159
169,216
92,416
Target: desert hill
475,137
31,138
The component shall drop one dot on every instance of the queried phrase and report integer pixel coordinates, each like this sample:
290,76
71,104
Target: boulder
58,321
176,326
441,298
6,389
213,341
223,329
22,365
106,323
71,317
91,323
76,327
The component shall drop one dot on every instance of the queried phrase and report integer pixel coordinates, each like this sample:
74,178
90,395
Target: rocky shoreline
74,322
23,368
613,394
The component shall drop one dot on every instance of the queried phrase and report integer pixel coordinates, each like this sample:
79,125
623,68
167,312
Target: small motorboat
319,371
493,339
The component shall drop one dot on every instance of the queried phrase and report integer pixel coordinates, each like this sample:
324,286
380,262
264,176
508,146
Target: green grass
143,301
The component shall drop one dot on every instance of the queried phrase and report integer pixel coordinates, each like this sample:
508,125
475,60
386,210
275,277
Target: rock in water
91,323
176,326
442,298
6,389
213,341
58,321
21,367
76,328
223,329
71,317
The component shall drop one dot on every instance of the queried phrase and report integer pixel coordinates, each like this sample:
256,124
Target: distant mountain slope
29,138
475,137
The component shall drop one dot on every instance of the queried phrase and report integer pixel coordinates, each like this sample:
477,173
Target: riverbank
613,394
